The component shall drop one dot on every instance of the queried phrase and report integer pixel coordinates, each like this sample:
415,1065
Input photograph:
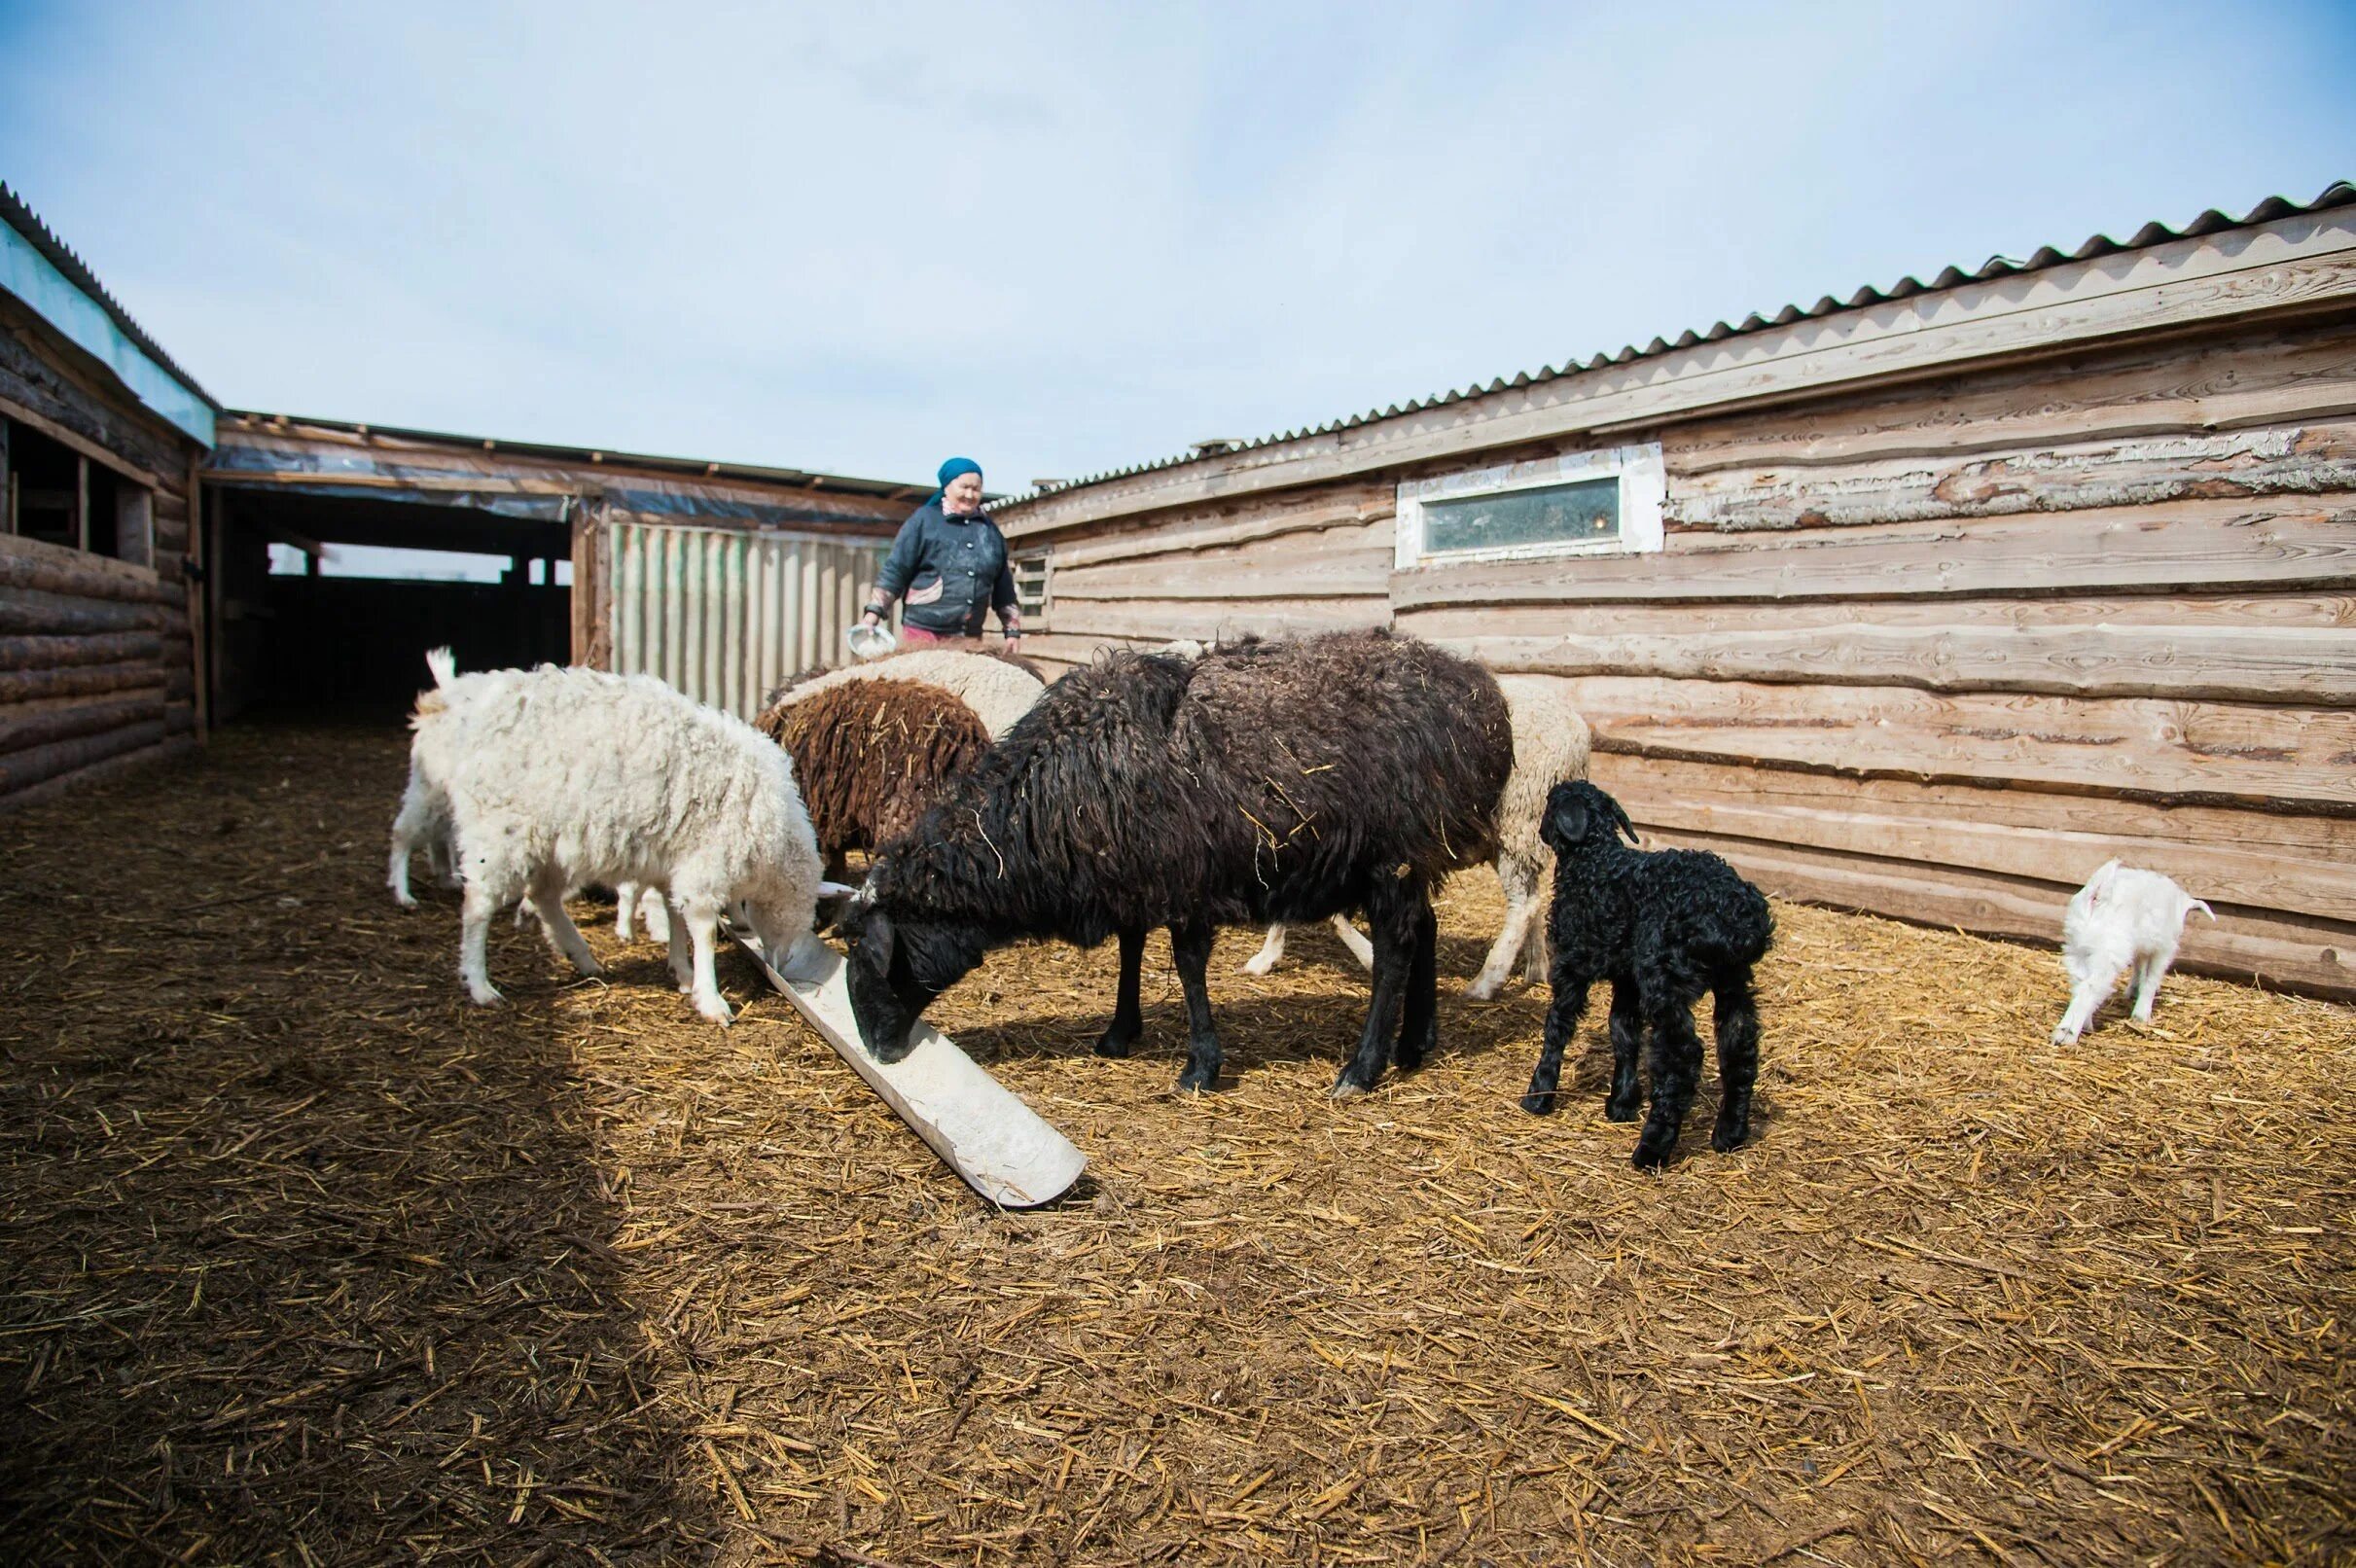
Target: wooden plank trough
981,1129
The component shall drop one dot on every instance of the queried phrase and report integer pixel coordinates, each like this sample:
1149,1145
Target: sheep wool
2125,921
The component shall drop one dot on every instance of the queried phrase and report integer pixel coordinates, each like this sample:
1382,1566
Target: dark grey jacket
949,570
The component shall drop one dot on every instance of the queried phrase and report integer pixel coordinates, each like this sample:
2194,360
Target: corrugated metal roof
2337,195
26,222
284,424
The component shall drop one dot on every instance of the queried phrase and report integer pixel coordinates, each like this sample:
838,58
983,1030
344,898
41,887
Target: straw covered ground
302,1260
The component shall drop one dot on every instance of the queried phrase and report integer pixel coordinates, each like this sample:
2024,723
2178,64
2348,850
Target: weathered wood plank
1159,620
2306,864
2170,753
39,381
2215,663
2185,546
2143,471
2244,944
104,770
48,652
31,610
24,726
2184,613
1341,506
34,763
34,563
1345,569
2278,376
2300,264
41,685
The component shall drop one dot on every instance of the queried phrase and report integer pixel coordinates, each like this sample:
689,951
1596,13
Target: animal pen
1919,604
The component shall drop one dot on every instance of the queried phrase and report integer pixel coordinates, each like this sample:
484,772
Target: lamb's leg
1129,1018
2087,992
1676,1072
396,875
2148,974
1360,948
625,909
674,940
1391,912
1520,907
1627,1093
1191,949
474,941
1737,1030
548,903
1561,1023
702,924
1420,1019
1270,953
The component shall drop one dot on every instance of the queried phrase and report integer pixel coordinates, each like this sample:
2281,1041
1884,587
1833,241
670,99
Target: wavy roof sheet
2337,195
26,222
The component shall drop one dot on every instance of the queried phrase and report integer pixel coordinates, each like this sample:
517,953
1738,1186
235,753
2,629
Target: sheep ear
1620,820
836,890
873,941
2099,883
1566,821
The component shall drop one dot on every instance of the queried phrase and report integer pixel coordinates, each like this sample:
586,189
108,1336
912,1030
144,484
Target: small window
1586,504
1030,587
51,492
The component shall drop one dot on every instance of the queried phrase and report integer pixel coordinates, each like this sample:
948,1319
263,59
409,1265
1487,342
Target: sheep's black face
1578,812
894,973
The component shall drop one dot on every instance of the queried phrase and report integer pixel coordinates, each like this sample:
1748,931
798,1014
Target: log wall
1935,649
97,656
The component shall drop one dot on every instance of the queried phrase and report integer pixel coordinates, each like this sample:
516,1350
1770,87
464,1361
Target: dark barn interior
357,644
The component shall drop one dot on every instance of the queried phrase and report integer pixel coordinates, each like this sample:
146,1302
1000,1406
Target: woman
950,565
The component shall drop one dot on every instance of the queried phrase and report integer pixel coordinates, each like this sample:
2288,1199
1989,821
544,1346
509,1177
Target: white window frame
1643,496
1045,562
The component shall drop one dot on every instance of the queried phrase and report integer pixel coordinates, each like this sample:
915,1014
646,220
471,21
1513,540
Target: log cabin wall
97,659
1933,638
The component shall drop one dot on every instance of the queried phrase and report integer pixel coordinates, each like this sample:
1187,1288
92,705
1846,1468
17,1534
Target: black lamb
1663,927
1281,781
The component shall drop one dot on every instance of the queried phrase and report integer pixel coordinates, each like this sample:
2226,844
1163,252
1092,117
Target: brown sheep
868,754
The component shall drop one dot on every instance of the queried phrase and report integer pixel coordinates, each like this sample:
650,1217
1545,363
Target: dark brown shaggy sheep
1280,780
868,754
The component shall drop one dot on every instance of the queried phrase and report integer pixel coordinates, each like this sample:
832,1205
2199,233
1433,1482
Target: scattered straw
306,1260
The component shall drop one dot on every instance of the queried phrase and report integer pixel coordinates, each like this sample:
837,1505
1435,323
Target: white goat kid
2123,922
557,779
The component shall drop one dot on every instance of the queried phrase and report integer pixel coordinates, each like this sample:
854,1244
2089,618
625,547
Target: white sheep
423,822
556,778
2123,919
998,692
1551,745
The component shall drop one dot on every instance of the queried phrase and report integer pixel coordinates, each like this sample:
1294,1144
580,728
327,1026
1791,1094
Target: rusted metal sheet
726,616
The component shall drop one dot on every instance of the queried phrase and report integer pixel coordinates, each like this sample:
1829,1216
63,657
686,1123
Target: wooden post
8,485
82,502
199,624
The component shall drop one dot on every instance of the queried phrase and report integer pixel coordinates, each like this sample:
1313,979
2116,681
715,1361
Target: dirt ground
303,1260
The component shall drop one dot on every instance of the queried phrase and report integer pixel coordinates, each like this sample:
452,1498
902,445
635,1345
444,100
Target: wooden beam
2309,666
2243,945
35,763
46,653
82,502
200,649
2304,264
36,564
24,726
80,445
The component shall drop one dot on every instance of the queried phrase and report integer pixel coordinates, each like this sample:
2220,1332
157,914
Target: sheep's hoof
404,899
717,1010
1727,1139
1116,1042
486,996
2065,1037
1196,1079
1652,1154
1620,1110
1539,1104
1259,964
1483,990
1347,1088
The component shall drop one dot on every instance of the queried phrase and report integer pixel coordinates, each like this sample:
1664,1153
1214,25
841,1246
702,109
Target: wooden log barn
100,439
1925,601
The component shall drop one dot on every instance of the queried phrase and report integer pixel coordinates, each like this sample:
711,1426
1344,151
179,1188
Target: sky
1066,240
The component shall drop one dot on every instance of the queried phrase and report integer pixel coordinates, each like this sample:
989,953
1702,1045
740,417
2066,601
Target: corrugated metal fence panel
726,616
